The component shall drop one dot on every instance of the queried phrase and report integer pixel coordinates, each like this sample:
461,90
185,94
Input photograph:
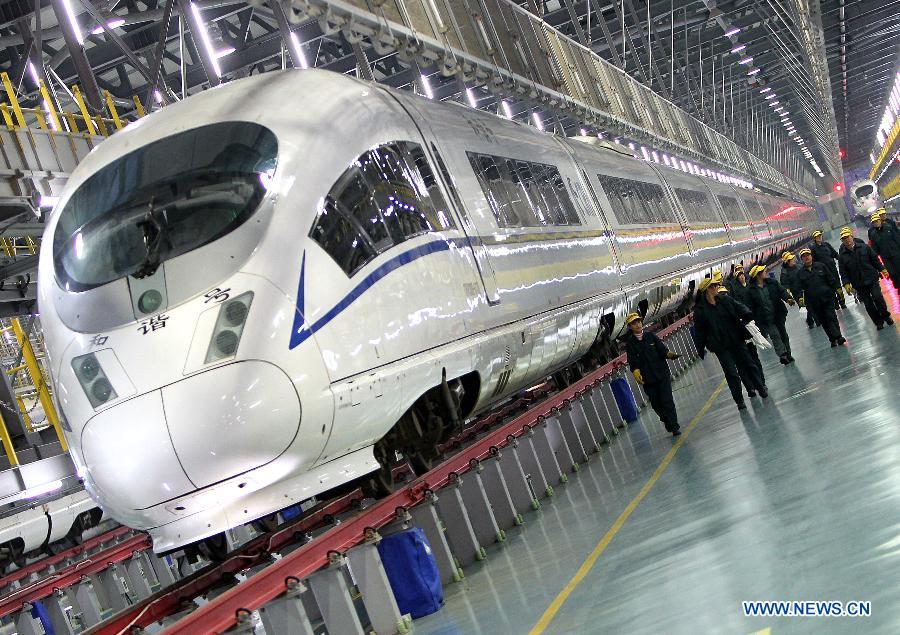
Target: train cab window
162,200
388,195
523,193
636,202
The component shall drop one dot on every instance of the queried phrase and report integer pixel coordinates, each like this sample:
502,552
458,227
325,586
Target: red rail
220,614
77,550
94,564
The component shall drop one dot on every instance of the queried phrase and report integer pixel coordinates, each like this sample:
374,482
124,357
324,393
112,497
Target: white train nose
231,419
190,434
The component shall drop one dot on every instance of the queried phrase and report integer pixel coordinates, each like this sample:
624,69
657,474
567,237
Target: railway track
502,466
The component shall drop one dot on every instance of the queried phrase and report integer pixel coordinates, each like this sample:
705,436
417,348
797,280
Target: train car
46,524
270,289
865,197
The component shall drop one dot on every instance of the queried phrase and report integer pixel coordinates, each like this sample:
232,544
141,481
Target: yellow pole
112,110
42,122
84,111
37,377
50,107
7,441
101,125
7,118
11,93
73,123
139,106
24,411
10,252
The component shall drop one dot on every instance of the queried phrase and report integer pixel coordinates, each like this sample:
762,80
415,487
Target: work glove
884,273
637,375
848,287
790,301
802,302
671,355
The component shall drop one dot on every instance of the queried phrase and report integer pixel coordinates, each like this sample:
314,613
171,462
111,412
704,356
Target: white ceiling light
537,121
73,20
738,48
204,37
297,49
115,23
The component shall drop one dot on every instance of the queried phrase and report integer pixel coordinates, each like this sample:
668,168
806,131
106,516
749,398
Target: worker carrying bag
412,572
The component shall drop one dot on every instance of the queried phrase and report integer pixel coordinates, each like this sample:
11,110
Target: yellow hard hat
846,231
705,283
881,211
805,252
756,270
816,233
787,256
723,290
738,267
717,276
631,317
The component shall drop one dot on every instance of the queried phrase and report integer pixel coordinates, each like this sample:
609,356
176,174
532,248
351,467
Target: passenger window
696,206
636,202
386,196
523,193
732,209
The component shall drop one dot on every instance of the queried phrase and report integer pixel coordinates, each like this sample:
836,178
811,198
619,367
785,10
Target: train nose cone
231,419
129,455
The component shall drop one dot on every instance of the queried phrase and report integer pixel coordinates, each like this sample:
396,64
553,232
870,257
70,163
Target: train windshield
162,200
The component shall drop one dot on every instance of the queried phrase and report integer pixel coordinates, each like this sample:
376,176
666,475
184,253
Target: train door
482,260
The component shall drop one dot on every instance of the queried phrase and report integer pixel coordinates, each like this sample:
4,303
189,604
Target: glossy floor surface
796,498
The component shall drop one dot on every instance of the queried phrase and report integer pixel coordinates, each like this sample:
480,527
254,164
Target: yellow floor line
588,564
765,631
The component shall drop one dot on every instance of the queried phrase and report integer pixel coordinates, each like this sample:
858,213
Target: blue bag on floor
412,571
624,399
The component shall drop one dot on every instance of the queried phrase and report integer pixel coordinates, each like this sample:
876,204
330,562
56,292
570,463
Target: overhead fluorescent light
738,48
771,96
471,97
506,109
228,50
73,20
115,23
297,49
753,71
583,132
204,37
426,85
732,31
34,76
537,121
765,90
745,60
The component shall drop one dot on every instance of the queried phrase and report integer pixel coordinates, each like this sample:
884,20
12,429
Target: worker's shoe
889,321
880,327
763,392
791,358
742,406
784,360
833,343
751,393
841,340
676,432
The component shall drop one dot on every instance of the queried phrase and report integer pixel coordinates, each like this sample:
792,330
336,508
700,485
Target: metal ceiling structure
702,56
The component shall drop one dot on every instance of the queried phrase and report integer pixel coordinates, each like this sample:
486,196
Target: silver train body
45,522
865,197
211,372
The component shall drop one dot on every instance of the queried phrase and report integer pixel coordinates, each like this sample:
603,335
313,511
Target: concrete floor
796,498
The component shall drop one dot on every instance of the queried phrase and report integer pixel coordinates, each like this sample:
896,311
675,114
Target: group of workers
727,313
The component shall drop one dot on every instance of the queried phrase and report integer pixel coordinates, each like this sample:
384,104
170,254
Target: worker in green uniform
862,272
885,239
719,323
766,298
823,252
648,359
788,279
818,286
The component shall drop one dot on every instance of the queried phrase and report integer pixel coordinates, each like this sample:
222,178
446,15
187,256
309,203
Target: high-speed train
270,289
865,197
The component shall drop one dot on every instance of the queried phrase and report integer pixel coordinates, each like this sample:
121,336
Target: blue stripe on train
301,332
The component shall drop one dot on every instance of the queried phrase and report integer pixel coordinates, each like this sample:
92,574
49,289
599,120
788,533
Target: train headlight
93,380
229,328
150,301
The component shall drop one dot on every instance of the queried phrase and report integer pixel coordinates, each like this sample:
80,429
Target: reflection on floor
797,498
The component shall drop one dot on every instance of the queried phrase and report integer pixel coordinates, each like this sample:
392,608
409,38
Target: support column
74,42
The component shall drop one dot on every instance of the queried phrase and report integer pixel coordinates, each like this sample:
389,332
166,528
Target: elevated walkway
794,499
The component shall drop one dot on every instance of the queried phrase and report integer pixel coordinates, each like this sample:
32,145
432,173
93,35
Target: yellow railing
17,117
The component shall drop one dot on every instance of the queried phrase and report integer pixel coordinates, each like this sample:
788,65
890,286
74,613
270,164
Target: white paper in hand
757,336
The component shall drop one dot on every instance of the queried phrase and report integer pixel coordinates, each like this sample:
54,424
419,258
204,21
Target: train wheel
380,483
